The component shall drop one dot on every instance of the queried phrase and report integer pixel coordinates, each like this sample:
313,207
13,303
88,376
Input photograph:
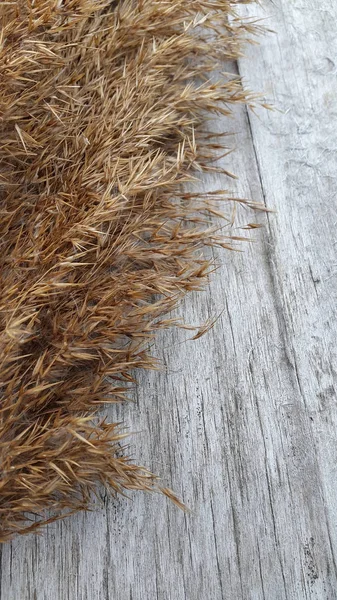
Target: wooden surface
243,422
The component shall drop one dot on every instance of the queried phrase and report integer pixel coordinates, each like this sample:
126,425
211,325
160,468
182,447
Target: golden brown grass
101,105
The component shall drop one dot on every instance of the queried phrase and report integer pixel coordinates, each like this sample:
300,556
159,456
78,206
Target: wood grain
242,423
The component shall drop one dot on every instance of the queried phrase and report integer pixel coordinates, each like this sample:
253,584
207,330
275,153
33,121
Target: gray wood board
241,423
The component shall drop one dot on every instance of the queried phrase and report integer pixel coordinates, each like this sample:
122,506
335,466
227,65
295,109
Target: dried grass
101,106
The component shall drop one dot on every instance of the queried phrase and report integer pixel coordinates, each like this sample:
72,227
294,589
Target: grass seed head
101,111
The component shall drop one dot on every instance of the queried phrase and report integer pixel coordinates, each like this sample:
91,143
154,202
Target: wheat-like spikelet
101,106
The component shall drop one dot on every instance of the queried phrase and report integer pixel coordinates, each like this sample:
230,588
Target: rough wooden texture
243,422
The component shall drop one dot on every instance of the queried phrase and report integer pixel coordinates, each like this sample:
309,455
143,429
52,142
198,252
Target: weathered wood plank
243,422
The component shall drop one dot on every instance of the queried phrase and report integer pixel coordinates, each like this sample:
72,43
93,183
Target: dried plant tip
102,105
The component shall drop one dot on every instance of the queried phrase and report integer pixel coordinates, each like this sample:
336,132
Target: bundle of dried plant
101,106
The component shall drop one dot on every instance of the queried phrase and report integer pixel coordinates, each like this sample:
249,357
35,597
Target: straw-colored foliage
101,106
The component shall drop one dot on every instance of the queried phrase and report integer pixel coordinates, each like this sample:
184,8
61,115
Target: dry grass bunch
101,106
